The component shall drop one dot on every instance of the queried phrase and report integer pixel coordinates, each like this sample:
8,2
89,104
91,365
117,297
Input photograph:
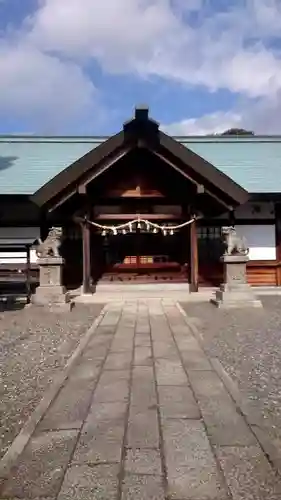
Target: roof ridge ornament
141,126
142,112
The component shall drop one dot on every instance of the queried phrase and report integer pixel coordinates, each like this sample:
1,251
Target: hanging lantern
130,227
139,225
114,231
103,232
124,231
165,232
155,230
171,232
147,224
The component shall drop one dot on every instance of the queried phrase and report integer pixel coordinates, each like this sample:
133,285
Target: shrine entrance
144,256
135,204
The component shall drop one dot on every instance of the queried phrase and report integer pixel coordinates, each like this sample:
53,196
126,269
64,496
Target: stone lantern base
235,292
50,291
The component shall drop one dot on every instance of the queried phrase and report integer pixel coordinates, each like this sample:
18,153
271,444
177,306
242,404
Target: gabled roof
141,132
27,163
73,172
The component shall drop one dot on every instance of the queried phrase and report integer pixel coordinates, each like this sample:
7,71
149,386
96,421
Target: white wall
260,240
17,257
11,236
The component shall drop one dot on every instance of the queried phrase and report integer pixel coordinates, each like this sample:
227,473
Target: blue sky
80,67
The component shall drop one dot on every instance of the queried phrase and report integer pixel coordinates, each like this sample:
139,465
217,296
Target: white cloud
122,36
186,6
262,117
49,91
265,17
153,37
44,64
213,123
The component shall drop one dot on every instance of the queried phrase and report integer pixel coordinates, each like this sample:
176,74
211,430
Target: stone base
241,296
51,293
56,308
61,308
50,296
235,292
60,304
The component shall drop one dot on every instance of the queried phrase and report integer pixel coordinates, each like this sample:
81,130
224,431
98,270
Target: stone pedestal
50,292
235,291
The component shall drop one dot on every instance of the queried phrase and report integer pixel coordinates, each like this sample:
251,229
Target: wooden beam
128,217
62,200
86,257
193,258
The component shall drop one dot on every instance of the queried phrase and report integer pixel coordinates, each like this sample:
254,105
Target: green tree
237,131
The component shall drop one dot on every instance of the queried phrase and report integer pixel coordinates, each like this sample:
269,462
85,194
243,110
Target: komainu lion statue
50,246
234,245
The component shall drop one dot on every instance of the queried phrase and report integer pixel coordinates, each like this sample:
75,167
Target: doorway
143,257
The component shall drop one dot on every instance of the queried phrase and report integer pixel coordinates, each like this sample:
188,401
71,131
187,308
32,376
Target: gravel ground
248,344
34,346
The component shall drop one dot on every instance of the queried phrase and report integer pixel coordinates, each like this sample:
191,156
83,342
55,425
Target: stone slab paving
143,416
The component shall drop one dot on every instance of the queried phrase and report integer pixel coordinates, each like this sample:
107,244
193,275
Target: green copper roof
27,163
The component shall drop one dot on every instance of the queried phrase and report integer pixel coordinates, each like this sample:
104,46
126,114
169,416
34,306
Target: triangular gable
141,132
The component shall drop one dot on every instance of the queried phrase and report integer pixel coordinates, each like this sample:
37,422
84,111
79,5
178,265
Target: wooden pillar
278,242
28,275
231,218
86,257
185,242
137,247
193,257
44,226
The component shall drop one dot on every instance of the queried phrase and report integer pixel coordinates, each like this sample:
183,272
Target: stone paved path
143,416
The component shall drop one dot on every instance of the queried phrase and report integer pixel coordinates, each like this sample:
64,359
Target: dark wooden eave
203,170
80,167
141,132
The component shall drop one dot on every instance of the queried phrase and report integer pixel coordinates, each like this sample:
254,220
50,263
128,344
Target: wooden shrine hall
131,209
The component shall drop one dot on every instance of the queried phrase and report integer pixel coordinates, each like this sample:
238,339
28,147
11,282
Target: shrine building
140,206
